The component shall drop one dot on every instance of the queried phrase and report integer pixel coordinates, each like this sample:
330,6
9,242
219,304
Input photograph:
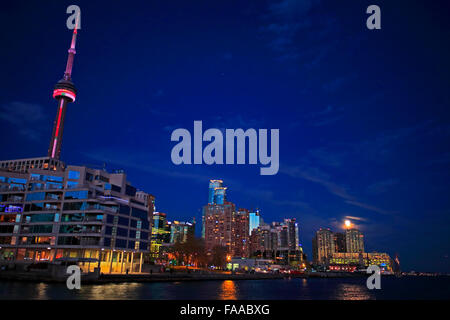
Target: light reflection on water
284,289
350,291
228,290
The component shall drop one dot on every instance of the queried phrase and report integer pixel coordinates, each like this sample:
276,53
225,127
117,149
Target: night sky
363,114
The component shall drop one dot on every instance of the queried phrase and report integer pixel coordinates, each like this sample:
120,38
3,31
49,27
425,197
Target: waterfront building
181,231
351,261
220,195
354,240
323,246
23,165
72,212
277,241
160,233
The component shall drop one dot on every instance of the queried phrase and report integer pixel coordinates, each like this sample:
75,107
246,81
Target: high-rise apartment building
354,241
218,226
223,225
323,245
240,236
339,242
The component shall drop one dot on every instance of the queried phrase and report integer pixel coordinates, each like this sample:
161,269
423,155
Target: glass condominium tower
52,212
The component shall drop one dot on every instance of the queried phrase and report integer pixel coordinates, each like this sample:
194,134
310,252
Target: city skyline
376,158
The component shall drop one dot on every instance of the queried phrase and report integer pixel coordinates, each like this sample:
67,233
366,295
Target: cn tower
64,93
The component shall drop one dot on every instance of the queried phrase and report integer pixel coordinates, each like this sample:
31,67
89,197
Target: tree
219,256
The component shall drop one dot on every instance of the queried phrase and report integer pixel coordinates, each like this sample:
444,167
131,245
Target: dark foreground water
286,289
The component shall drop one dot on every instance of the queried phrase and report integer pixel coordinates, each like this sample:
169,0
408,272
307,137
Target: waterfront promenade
175,276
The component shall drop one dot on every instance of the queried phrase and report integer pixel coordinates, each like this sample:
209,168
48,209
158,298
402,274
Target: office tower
72,211
354,240
64,93
339,242
254,220
323,246
181,231
160,228
213,184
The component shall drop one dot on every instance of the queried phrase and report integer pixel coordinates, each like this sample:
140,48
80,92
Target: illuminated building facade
254,220
222,225
278,241
354,241
218,226
160,232
213,185
49,210
323,246
73,211
180,231
351,261
23,165
240,236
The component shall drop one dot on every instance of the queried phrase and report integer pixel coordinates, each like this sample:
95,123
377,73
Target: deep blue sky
363,115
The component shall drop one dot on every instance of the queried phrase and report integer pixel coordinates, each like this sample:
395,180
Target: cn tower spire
64,92
72,52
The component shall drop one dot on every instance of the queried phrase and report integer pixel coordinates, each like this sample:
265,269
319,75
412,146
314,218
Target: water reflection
41,291
313,288
350,291
228,290
120,291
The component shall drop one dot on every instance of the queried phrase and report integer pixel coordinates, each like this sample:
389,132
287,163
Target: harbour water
392,288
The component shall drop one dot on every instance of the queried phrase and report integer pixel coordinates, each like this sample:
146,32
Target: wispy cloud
356,218
27,118
368,207
315,175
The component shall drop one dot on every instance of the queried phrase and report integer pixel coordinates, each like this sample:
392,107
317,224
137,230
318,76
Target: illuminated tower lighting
64,93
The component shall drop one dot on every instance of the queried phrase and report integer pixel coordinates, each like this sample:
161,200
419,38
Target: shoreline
175,277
